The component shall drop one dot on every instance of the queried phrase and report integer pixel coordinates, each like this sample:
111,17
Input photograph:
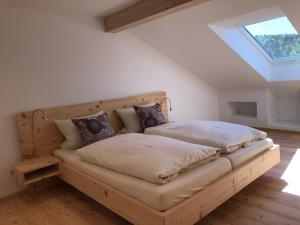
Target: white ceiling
185,36
72,7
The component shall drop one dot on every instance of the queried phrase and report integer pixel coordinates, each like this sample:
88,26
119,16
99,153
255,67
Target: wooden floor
273,199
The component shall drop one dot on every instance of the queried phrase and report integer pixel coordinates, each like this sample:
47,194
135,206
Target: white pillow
124,130
71,132
130,119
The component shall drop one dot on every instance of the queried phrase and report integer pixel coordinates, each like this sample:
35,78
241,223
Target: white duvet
227,136
153,158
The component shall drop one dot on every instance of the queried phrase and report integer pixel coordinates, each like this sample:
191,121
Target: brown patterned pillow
150,116
94,129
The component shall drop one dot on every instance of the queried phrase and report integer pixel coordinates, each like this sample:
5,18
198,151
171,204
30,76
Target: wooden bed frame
188,212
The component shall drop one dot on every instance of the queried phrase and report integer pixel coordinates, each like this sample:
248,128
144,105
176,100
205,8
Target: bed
182,201
160,197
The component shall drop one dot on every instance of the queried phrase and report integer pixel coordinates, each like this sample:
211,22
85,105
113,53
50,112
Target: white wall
273,111
50,60
289,109
272,107
260,96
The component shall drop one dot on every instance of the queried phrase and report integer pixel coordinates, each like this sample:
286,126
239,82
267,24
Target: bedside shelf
40,174
33,170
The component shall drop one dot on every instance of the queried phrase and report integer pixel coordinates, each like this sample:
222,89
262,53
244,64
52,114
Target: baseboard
277,130
7,197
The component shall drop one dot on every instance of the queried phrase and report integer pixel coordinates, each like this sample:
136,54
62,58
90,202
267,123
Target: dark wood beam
144,11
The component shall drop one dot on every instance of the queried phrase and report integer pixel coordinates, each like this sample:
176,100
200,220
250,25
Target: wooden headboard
48,138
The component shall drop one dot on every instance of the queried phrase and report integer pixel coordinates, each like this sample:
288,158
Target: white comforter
227,136
153,158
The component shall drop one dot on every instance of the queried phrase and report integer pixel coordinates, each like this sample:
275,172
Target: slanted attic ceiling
186,38
95,8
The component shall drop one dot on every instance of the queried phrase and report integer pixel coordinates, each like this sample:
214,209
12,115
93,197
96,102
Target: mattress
243,155
227,136
160,197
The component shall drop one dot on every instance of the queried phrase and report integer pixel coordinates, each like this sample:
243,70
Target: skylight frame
264,52
230,31
256,44
248,33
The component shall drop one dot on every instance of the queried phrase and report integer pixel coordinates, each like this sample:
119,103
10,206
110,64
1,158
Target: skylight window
277,37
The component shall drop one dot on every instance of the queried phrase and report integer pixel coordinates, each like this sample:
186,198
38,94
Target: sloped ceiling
186,38
95,8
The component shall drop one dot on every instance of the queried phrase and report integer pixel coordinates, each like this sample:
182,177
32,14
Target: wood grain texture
263,202
34,164
187,212
31,171
144,11
201,204
122,204
48,138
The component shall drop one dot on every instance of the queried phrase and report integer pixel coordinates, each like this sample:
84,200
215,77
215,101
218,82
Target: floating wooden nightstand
33,170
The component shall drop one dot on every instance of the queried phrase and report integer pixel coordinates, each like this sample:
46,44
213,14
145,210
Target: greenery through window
277,37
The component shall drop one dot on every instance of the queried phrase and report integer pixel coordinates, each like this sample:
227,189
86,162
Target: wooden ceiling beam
144,11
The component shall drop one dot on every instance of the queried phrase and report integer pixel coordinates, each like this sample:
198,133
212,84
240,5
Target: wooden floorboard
267,201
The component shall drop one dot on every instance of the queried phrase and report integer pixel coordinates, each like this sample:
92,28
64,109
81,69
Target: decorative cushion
130,119
71,132
94,129
150,116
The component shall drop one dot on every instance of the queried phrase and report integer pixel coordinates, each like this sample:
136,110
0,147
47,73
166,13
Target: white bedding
157,196
153,158
243,155
227,136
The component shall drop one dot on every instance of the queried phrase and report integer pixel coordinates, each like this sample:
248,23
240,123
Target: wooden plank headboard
48,138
